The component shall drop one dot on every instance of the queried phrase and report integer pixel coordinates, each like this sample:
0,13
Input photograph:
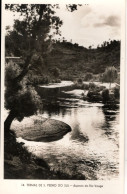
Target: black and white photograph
62,91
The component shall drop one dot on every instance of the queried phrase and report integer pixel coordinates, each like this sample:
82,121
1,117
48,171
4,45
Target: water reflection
77,135
111,113
91,148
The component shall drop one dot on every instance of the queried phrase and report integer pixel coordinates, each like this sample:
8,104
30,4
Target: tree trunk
8,121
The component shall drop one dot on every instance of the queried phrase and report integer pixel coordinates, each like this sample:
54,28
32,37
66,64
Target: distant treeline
72,61
76,61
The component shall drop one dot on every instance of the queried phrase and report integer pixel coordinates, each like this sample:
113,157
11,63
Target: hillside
69,61
75,61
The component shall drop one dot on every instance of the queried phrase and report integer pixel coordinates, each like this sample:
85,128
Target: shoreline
21,164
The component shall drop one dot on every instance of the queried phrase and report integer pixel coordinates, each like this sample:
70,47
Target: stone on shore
40,129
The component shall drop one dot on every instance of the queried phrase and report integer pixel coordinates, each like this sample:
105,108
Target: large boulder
41,129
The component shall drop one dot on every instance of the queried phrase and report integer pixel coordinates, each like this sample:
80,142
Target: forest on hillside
75,61
65,60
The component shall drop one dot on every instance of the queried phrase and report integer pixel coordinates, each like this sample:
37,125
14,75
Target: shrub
53,81
105,95
79,81
92,86
86,86
110,75
90,94
58,81
116,93
88,76
55,72
102,88
94,95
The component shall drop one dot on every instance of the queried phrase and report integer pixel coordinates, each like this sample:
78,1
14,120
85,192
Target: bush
55,72
94,95
110,75
36,80
116,93
88,76
90,94
86,86
58,81
105,95
79,81
92,86
79,84
102,88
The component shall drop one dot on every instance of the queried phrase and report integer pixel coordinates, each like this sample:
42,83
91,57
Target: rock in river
40,129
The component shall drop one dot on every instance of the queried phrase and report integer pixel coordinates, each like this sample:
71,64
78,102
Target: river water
92,147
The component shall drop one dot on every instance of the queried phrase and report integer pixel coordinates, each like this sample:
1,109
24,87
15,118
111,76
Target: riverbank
20,164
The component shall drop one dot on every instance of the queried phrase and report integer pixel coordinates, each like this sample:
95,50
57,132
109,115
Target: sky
89,25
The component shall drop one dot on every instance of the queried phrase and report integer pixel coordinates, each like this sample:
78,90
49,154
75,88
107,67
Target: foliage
110,75
21,98
92,85
118,79
80,81
79,84
105,95
55,72
76,62
116,92
85,86
88,76
36,79
32,33
94,95
101,93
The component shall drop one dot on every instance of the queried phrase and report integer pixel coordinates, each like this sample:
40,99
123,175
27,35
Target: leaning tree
30,38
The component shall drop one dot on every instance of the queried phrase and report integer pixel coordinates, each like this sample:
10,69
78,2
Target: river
92,147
